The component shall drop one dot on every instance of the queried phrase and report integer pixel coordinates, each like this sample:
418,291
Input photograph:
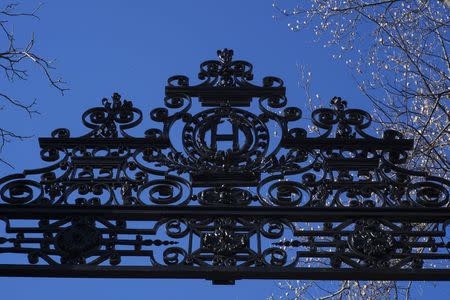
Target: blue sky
132,47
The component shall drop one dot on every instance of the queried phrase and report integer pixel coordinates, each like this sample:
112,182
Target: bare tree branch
398,51
398,54
14,62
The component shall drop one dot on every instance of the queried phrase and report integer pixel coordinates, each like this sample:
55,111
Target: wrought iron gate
227,189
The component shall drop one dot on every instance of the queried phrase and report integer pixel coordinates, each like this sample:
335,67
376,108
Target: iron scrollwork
235,190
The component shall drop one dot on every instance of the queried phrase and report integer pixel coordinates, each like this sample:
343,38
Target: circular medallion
78,239
225,133
371,241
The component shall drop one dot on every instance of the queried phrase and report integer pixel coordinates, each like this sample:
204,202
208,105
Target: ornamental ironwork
228,186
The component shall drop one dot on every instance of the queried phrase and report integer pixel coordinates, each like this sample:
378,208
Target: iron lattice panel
227,192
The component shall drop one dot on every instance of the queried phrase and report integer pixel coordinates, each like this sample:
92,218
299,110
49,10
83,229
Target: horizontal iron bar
349,144
351,163
98,162
308,143
221,274
225,92
415,214
132,143
211,179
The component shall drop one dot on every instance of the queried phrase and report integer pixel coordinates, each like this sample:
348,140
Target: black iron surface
237,189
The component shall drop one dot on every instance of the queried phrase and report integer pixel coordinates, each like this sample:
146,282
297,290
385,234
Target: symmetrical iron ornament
230,191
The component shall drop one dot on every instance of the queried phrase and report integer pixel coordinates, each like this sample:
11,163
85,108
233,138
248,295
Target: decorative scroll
226,190
225,82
